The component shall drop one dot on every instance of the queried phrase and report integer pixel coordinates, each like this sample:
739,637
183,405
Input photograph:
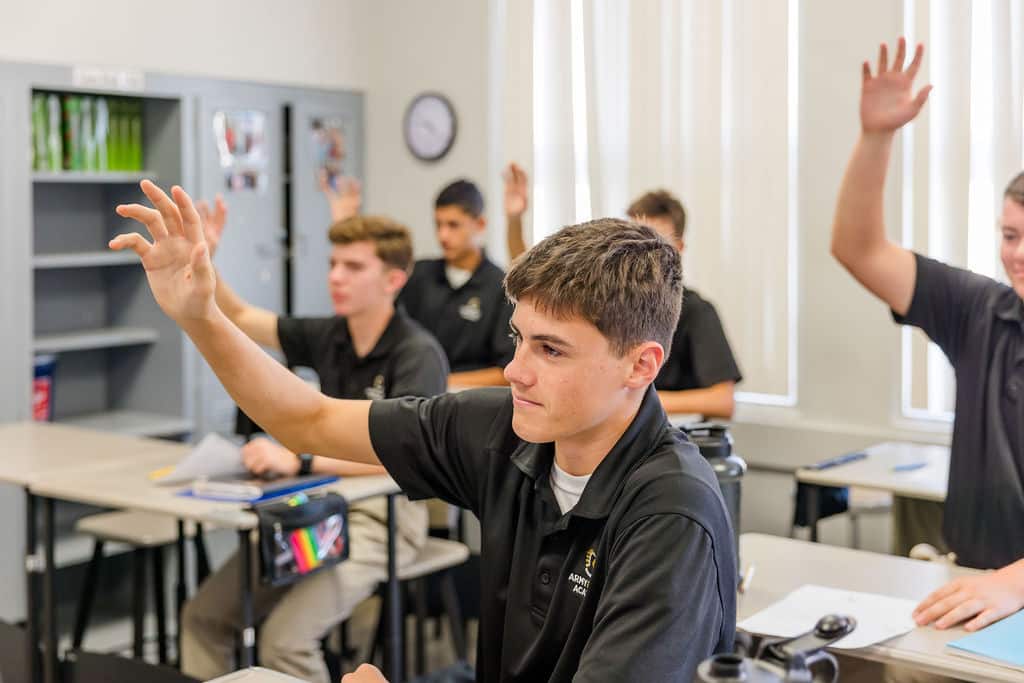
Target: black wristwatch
305,464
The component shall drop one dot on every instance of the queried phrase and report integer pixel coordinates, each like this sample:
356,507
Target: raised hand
346,200
887,99
213,221
177,262
516,190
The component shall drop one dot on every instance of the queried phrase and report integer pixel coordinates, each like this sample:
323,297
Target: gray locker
310,215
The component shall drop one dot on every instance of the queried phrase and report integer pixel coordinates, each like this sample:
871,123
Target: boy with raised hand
606,546
368,349
700,373
459,298
979,325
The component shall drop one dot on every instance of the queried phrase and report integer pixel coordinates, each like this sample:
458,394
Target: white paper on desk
878,617
213,457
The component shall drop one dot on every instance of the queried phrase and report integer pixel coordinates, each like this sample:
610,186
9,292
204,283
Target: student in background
979,324
606,544
700,373
369,349
459,298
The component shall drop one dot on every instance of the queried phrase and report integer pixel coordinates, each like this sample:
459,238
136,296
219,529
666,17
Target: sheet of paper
213,457
878,617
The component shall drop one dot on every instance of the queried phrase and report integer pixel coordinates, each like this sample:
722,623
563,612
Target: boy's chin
529,431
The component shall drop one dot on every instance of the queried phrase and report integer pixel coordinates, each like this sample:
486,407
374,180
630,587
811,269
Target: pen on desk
748,576
909,466
839,460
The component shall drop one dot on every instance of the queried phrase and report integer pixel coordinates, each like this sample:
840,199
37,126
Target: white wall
391,49
310,42
418,46
849,364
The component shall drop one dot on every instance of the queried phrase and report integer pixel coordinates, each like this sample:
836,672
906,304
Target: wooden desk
877,472
57,462
32,452
784,564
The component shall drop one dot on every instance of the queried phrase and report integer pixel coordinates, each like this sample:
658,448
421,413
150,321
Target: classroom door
241,156
326,132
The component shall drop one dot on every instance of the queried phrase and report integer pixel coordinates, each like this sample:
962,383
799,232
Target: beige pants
294,618
916,521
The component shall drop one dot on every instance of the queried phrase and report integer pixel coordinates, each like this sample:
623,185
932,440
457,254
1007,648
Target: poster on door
242,149
328,136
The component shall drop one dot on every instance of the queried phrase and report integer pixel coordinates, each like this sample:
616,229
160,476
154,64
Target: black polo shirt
979,324
471,322
700,355
635,583
406,360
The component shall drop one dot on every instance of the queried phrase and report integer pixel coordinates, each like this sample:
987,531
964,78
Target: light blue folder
1001,643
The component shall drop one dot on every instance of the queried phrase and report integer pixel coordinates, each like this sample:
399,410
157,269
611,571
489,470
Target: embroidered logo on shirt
590,562
581,583
471,310
376,392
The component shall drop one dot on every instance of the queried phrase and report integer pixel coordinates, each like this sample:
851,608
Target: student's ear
395,279
647,359
681,244
481,223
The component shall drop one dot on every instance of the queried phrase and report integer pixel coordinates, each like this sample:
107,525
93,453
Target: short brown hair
660,204
392,239
618,275
1015,190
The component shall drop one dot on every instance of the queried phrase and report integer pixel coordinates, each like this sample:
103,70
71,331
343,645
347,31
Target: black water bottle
715,444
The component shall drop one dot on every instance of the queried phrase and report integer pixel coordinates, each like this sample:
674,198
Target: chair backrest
90,667
14,667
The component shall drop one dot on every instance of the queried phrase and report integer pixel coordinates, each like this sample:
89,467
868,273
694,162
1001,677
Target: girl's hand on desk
983,599
366,673
262,456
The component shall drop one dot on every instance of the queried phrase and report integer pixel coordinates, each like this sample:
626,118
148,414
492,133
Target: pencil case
301,536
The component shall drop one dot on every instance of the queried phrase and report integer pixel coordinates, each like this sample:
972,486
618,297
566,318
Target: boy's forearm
514,235
344,468
227,300
859,221
294,413
714,401
484,377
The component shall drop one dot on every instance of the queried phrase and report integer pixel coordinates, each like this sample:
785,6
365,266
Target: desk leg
394,650
811,501
32,598
248,630
49,596
180,590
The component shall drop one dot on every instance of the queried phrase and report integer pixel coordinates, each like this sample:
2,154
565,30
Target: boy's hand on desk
983,599
262,456
366,673
177,262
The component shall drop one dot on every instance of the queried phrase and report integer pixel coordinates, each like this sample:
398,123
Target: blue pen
909,466
839,460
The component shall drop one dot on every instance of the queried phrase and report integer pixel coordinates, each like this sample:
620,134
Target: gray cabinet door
240,132
315,116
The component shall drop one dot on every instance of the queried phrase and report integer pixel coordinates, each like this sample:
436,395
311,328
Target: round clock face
430,126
